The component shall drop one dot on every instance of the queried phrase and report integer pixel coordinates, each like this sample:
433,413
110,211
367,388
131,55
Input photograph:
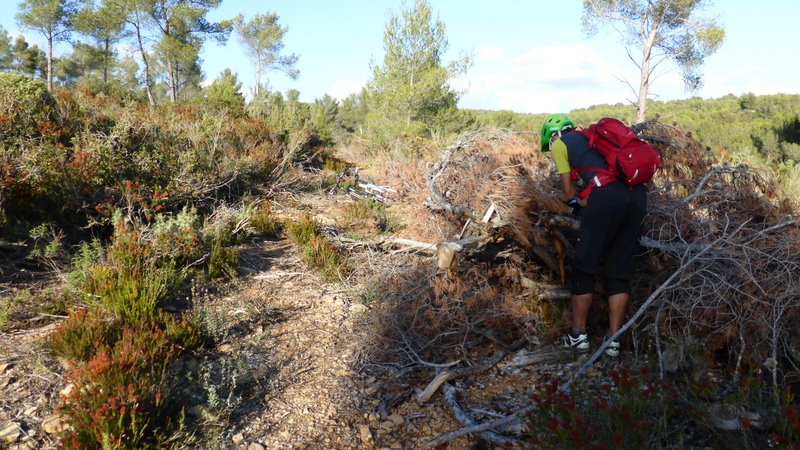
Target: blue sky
528,57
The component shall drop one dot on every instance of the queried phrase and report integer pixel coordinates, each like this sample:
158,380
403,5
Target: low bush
264,222
178,238
300,231
5,309
135,298
223,261
368,216
630,413
24,105
85,333
186,334
317,251
119,399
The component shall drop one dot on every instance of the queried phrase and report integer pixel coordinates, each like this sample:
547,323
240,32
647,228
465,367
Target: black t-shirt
581,156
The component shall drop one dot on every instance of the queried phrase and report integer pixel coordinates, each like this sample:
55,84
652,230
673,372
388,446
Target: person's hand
575,205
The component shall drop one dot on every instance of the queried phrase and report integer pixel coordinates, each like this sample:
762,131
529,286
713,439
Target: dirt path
287,353
312,399
301,342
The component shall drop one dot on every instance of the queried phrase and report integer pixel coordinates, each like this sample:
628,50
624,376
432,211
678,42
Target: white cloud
565,77
546,79
342,88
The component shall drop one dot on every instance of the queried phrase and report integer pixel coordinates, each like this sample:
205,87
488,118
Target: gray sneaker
613,348
580,344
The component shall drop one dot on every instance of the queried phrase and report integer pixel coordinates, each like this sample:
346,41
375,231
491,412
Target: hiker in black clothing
611,220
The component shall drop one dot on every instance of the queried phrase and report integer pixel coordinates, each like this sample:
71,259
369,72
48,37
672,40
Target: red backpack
630,159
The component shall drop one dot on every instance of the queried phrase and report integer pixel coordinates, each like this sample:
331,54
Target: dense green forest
746,127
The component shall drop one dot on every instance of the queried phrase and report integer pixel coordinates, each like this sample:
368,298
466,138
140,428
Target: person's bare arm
568,187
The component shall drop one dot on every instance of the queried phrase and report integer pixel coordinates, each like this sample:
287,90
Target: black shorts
610,228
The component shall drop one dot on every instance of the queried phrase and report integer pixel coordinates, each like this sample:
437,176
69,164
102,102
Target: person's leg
619,264
580,311
580,301
617,306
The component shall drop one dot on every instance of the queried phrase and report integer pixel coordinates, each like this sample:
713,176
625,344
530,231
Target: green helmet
554,124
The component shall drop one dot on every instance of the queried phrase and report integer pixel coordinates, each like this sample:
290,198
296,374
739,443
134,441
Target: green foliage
27,60
105,25
85,333
283,114
135,297
678,36
220,382
6,55
51,18
790,183
5,309
185,334
178,237
317,252
225,93
264,222
301,231
409,94
120,396
24,105
183,28
46,241
262,38
223,261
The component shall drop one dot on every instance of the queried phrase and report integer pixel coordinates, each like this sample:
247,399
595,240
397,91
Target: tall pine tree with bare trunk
51,18
262,38
661,31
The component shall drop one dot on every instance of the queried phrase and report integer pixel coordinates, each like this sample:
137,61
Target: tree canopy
51,18
262,38
409,93
661,31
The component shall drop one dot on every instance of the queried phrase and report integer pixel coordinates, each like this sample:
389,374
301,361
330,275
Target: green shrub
46,241
264,222
121,396
135,297
85,333
5,309
128,250
333,164
24,105
223,261
226,225
185,334
323,257
88,254
178,238
790,183
317,252
301,230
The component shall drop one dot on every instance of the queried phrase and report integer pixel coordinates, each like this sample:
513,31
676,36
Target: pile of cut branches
741,294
